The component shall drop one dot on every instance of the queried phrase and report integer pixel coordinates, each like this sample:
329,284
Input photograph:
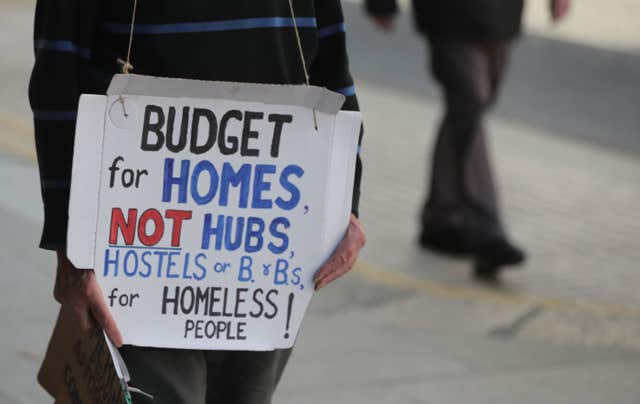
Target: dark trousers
462,188
177,376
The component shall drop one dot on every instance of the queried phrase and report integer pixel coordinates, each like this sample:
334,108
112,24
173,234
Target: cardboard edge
49,367
354,119
347,122
313,97
83,209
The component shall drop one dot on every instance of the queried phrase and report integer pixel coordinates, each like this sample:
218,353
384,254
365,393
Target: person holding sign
79,45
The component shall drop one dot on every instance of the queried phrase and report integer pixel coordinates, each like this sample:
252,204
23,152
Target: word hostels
159,130
156,263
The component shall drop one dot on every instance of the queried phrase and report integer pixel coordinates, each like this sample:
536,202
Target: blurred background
409,326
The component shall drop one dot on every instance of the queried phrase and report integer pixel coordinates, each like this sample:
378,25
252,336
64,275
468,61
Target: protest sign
81,368
205,208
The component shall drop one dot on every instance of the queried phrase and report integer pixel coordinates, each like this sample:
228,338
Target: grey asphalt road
407,326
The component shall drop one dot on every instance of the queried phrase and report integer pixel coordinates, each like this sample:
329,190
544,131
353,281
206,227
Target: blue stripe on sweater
62,46
346,91
55,115
331,30
55,183
211,26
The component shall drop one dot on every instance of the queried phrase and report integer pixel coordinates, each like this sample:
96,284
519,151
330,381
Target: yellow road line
478,294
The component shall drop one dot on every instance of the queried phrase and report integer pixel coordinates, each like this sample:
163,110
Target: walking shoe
444,239
493,256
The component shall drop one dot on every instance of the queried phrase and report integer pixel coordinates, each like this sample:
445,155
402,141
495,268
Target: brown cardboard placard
79,368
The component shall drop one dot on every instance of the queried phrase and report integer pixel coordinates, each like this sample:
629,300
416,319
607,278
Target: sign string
302,60
126,65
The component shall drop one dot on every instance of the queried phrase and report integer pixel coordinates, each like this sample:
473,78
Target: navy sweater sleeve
330,69
63,33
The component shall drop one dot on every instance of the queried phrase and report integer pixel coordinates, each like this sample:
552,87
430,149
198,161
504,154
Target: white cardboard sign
206,208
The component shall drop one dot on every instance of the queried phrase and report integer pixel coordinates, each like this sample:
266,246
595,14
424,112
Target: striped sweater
77,44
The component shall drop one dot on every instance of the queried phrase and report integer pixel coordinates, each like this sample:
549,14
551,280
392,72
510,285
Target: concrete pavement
408,326
583,258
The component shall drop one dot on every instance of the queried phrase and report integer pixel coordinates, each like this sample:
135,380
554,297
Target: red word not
127,226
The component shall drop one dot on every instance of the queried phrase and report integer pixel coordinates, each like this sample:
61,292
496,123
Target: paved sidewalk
572,205
371,346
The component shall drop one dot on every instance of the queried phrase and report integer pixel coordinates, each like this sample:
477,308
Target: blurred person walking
469,42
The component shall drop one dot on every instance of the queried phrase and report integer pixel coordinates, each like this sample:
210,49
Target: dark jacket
77,43
465,19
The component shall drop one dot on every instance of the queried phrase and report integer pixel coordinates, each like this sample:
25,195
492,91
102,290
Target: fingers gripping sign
344,257
81,299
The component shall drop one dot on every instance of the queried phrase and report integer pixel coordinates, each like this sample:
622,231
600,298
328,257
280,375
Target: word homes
200,130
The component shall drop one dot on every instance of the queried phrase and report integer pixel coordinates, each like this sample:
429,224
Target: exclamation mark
286,334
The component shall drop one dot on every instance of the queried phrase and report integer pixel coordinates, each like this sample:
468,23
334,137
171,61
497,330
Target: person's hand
384,22
344,257
81,298
559,9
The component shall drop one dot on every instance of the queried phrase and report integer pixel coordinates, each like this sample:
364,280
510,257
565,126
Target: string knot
125,66
301,53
